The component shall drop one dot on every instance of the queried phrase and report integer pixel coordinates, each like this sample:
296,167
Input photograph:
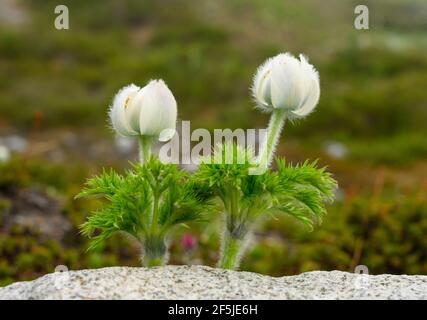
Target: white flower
149,111
284,82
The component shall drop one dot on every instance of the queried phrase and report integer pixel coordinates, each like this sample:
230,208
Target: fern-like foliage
304,191
300,190
146,202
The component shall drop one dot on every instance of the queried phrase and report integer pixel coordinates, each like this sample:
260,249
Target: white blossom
149,111
284,82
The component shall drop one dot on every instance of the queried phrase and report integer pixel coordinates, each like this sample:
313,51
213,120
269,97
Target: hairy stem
155,217
231,250
234,202
274,129
155,252
234,233
144,148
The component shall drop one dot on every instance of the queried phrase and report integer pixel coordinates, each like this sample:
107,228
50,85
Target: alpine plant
288,88
151,197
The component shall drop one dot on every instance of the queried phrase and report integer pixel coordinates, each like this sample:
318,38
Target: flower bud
284,82
149,111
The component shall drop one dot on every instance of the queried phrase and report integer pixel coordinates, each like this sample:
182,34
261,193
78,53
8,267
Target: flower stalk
145,143
154,221
155,251
231,251
233,233
275,126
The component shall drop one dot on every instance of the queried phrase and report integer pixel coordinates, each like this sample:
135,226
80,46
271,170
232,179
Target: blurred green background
369,128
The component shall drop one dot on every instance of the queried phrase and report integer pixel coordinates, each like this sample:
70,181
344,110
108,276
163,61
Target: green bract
146,202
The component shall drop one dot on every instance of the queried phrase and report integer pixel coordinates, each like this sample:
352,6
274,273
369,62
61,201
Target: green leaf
130,202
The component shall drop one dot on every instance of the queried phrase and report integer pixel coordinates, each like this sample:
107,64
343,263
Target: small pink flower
188,242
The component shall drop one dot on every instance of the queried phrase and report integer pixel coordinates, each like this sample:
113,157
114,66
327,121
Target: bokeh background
370,126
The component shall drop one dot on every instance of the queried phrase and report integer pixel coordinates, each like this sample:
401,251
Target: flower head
284,82
150,111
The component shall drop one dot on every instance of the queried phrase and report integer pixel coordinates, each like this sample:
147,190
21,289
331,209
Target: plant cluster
151,198
146,202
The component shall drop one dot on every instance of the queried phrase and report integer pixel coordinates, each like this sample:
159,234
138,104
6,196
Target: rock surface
201,282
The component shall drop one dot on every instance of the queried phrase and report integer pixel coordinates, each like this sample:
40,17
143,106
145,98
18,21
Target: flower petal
312,94
286,82
118,112
158,111
261,87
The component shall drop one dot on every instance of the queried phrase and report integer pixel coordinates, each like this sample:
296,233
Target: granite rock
202,282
